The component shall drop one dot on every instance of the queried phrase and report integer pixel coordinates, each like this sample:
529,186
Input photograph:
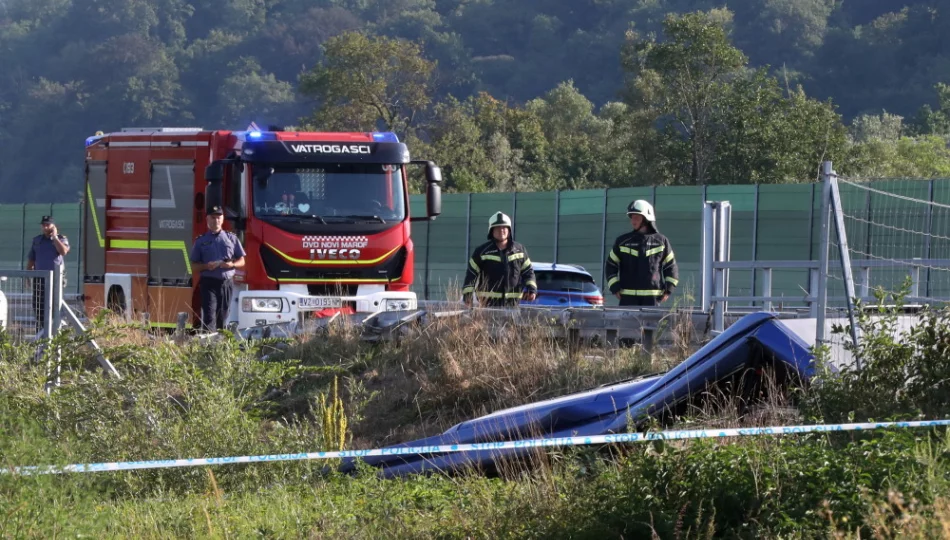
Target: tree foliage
365,83
562,94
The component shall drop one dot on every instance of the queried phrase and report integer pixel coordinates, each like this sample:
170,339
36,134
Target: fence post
48,303
468,228
557,220
725,242
766,288
723,236
823,252
57,304
755,240
706,257
845,257
56,307
928,244
22,236
79,249
603,248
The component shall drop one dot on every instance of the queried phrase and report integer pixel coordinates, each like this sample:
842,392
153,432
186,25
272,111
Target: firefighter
215,255
46,253
499,271
641,269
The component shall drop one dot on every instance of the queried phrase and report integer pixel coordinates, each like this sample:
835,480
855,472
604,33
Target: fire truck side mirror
433,173
433,199
214,192
433,190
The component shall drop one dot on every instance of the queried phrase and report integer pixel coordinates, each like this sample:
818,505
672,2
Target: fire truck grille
277,268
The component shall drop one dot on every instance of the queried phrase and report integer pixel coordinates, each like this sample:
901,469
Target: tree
934,122
702,117
679,85
367,81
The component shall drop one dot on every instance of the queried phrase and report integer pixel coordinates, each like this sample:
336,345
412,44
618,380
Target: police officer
215,255
46,253
641,269
499,271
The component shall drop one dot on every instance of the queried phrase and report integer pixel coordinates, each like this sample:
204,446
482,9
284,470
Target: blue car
565,285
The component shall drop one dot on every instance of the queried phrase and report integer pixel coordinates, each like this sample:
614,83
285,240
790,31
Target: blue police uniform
44,256
216,286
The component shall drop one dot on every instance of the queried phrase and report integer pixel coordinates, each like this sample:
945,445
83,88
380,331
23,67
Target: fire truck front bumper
259,308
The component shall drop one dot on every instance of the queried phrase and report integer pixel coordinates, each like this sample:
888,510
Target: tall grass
231,398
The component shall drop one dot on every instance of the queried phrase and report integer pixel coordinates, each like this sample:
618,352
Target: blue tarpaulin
738,355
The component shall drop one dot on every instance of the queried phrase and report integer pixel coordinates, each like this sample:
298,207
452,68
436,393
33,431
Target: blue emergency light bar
385,136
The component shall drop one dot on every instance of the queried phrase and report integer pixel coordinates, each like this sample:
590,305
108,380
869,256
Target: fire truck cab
324,219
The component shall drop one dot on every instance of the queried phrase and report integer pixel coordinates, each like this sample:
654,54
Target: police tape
709,433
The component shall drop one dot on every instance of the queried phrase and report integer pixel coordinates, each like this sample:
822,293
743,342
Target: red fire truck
324,218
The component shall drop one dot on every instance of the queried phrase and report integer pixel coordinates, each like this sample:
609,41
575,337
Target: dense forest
505,94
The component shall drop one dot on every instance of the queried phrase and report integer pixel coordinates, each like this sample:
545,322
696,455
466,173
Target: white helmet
643,208
498,219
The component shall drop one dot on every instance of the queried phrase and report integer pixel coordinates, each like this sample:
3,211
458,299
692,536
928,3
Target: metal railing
26,300
814,301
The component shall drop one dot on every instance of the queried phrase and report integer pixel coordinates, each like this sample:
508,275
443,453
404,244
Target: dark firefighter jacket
499,277
641,267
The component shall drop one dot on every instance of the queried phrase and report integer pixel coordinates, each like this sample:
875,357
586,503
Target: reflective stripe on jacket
641,265
497,275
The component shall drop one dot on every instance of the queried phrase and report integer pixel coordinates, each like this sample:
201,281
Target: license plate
320,302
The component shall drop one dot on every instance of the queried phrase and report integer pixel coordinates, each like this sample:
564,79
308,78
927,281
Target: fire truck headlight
268,305
398,305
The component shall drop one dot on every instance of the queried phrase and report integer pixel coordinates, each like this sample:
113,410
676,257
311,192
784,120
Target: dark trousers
500,302
39,302
215,302
642,301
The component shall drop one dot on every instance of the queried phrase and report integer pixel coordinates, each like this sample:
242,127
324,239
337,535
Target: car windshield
564,281
333,192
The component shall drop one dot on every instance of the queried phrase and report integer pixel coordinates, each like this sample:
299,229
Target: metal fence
770,222
34,308
28,300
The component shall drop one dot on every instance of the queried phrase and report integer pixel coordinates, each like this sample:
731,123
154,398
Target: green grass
219,399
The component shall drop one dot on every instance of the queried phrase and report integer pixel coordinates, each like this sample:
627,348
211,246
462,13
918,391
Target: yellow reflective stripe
612,281
654,251
95,218
668,259
347,280
674,281
531,283
471,262
153,244
631,251
526,265
357,262
515,256
646,292
485,294
468,290
614,257
491,258
167,325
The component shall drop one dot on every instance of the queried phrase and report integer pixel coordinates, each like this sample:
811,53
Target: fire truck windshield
333,192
